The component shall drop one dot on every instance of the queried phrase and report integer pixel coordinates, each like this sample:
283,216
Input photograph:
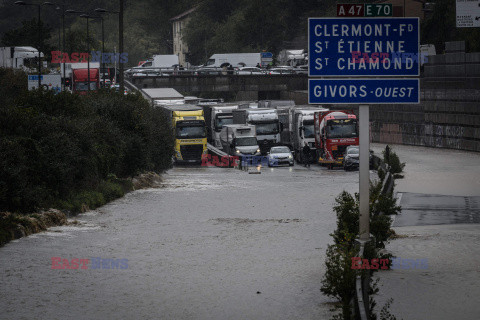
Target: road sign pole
364,185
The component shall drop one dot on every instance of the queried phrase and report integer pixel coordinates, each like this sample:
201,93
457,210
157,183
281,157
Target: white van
235,59
239,140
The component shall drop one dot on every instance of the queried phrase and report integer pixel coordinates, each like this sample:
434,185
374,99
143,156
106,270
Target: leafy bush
392,159
60,150
339,278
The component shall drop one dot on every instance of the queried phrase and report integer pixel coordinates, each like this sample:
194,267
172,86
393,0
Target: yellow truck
188,125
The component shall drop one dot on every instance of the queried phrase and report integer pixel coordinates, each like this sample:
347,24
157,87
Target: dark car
351,158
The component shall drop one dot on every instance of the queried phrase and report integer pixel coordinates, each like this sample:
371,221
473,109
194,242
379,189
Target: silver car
280,155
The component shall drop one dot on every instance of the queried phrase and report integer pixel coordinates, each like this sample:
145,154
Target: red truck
334,132
80,80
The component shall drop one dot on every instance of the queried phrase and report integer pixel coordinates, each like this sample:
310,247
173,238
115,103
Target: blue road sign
363,47
363,91
266,55
34,77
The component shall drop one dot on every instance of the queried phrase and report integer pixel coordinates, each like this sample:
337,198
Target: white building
180,47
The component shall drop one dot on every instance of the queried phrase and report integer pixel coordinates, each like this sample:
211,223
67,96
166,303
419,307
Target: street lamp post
87,17
64,46
23,3
60,7
101,11
103,51
120,40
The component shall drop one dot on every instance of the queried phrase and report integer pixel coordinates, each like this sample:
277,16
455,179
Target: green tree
27,35
440,26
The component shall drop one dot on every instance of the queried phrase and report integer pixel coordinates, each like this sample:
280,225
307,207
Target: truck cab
188,125
239,140
216,116
266,122
334,132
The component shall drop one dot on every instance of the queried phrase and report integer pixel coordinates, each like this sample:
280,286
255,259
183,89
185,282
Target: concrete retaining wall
449,113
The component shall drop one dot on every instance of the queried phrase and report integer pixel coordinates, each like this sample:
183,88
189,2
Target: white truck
160,61
78,65
163,64
273,104
292,57
301,129
163,96
19,57
239,140
266,123
216,116
235,59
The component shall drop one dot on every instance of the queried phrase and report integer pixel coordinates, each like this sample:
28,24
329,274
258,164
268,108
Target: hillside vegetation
65,151
216,26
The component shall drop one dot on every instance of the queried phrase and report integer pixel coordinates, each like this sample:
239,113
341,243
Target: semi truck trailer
301,129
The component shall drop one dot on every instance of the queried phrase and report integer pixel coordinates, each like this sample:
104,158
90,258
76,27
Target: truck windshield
220,122
82,86
346,128
190,132
246,141
308,131
266,127
210,62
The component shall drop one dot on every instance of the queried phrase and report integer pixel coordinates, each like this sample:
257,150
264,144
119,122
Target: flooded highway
439,223
215,243
211,243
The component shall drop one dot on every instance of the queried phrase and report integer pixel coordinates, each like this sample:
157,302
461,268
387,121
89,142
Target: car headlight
237,151
290,157
258,150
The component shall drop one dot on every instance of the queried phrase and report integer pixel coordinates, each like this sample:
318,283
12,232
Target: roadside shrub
347,209
392,159
110,190
13,83
60,150
339,278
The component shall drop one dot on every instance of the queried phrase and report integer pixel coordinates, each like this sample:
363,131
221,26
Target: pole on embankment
364,184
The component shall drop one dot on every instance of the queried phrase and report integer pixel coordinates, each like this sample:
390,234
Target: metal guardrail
362,279
232,162
361,288
168,72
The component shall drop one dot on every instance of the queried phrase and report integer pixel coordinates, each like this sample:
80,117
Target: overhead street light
83,14
23,3
62,8
87,17
102,11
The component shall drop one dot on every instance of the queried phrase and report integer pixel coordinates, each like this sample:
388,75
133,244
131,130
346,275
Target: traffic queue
278,130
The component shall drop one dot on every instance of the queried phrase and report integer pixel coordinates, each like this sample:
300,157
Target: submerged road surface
218,243
439,224
211,244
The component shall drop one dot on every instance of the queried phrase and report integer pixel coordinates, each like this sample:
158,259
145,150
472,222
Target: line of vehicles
223,63
257,128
